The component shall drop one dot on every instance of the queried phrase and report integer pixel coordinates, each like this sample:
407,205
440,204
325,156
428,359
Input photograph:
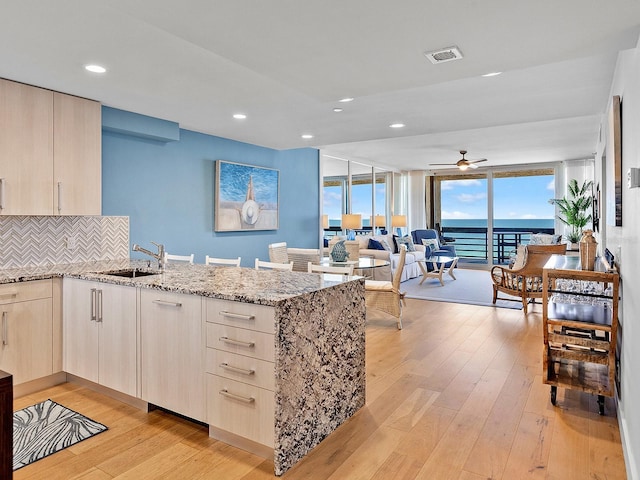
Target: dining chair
302,256
386,296
278,252
262,265
341,270
178,258
235,262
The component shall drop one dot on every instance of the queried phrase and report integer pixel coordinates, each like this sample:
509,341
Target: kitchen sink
130,273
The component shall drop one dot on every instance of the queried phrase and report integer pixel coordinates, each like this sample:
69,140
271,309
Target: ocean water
529,224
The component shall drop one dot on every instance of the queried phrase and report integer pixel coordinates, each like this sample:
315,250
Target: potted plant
574,209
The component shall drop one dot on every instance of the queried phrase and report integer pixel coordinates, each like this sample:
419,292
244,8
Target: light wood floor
457,394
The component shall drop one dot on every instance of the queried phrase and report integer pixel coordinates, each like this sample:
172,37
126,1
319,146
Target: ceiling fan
463,163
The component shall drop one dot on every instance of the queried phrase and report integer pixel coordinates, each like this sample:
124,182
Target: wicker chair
261,265
278,252
302,256
386,296
524,282
235,262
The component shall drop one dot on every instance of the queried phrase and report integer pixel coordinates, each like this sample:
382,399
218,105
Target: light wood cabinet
26,346
100,333
77,169
172,352
26,149
50,152
241,369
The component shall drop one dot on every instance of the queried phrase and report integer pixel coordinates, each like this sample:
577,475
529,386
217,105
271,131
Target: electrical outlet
70,242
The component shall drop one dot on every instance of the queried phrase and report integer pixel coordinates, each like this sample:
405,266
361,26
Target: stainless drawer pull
171,304
94,304
5,334
225,393
2,194
240,343
244,371
237,315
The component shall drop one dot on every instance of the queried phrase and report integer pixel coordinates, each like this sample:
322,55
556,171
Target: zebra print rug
46,428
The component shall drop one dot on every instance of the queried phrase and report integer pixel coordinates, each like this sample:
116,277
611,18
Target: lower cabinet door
26,346
245,410
172,352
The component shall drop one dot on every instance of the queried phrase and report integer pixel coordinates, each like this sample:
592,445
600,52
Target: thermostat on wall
633,177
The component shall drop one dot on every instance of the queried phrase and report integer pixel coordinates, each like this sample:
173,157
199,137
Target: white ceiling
285,63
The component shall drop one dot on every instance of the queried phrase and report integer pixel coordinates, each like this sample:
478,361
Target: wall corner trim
137,125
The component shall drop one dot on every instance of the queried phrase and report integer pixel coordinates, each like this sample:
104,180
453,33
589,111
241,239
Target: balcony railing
471,242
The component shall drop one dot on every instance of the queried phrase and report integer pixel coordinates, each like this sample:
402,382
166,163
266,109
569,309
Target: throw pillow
544,239
406,240
431,242
375,245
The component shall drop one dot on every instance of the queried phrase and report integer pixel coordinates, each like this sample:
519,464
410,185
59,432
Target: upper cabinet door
77,171
26,149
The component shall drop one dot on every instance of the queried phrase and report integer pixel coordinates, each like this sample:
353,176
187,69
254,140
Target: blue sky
515,198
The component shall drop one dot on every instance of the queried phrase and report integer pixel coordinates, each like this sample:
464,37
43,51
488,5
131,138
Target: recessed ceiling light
337,110
346,99
239,116
397,125
307,136
492,74
95,68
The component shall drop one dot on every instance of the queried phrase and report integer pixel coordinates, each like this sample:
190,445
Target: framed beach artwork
246,197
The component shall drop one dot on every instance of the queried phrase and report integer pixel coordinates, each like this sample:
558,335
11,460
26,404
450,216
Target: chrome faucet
158,256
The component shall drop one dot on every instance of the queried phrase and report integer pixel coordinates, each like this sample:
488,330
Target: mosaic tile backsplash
28,241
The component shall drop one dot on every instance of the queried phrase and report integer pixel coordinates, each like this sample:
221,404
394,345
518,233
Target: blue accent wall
167,191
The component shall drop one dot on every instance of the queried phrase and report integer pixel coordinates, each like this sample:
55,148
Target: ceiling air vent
444,55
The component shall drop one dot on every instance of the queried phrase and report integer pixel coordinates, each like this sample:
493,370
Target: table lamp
325,221
399,221
379,221
351,221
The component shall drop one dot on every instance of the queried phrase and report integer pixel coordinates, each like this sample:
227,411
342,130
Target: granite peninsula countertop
265,287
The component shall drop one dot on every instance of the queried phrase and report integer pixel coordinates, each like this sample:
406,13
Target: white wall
624,243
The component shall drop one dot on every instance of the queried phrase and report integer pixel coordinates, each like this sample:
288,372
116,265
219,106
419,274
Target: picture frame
614,164
246,197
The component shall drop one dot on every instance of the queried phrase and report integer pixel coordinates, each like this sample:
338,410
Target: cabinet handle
231,368
94,313
5,336
226,393
9,294
237,315
59,197
240,343
99,319
1,193
171,304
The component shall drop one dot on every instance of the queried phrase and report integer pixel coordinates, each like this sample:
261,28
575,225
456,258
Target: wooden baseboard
39,384
121,397
241,442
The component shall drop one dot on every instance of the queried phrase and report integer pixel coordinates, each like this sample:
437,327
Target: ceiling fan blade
471,165
443,164
478,161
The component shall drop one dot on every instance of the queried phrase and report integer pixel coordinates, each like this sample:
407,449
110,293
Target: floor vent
444,55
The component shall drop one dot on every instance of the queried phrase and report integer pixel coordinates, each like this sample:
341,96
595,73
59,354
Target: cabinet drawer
243,315
241,368
242,409
239,340
25,291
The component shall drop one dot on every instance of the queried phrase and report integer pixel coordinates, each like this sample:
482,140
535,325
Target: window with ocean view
519,207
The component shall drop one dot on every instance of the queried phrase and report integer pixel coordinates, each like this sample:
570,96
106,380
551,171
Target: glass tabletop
439,259
361,263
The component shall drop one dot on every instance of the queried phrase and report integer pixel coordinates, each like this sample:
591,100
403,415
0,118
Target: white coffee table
439,263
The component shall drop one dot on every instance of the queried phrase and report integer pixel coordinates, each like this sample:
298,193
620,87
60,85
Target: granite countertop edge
225,283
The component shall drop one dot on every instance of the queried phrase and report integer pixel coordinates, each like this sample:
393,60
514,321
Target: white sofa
410,270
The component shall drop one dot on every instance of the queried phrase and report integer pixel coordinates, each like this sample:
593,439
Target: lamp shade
399,221
351,221
378,221
325,221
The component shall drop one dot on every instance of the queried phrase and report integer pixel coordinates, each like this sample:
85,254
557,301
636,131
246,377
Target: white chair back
178,258
235,262
262,265
341,270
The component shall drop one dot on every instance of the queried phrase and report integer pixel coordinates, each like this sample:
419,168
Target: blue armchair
418,235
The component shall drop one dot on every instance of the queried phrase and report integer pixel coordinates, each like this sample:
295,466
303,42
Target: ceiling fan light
463,166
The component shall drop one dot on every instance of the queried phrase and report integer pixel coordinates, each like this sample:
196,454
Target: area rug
46,428
472,287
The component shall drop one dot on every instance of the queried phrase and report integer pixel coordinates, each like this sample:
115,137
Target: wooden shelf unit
580,327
